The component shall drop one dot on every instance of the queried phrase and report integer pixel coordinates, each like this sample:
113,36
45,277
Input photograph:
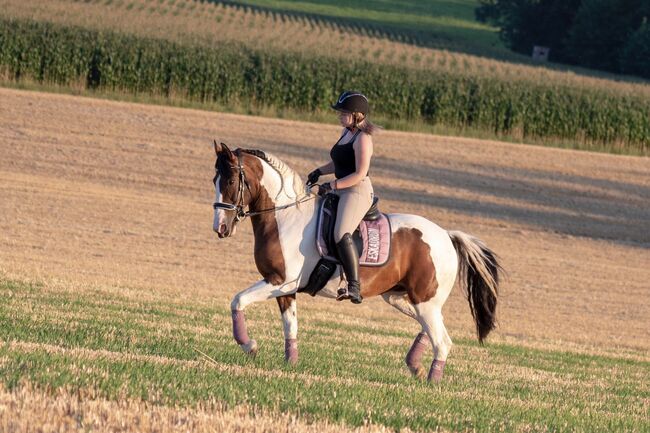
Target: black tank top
343,157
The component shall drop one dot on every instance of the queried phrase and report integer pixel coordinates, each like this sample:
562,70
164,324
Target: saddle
372,239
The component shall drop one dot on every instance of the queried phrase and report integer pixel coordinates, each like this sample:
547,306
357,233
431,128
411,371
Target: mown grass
124,347
434,23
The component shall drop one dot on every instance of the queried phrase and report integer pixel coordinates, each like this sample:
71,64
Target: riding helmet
352,102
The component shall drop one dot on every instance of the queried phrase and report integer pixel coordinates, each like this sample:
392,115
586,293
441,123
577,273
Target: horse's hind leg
430,317
288,309
414,356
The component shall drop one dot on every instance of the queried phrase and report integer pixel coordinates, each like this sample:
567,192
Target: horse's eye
231,182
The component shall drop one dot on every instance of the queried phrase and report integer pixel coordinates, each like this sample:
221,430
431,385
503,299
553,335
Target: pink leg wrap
239,327
435,374
291,351
414,357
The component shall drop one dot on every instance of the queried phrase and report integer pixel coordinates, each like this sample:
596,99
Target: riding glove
324,188
312,177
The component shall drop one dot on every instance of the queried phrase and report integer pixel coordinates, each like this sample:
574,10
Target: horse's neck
278,193
289,216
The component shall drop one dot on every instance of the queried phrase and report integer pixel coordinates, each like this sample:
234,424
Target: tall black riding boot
349,257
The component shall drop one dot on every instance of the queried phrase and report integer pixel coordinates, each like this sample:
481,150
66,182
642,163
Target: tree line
609,35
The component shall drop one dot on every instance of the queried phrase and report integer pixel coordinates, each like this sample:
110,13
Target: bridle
238,208
241,214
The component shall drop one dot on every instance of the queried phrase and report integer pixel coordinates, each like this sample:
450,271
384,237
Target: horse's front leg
288,310
260,291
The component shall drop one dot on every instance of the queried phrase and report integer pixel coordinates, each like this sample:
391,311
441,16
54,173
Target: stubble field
112,279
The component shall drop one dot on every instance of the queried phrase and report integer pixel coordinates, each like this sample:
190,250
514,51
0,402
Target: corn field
233,73
190,22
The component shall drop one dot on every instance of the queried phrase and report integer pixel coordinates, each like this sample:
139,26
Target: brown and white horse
425,259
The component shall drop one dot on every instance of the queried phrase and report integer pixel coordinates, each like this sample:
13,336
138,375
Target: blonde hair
362,123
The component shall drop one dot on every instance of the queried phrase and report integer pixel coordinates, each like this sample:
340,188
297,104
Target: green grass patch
434,23
125,347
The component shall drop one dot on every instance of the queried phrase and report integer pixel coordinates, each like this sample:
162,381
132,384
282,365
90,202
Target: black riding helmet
351,102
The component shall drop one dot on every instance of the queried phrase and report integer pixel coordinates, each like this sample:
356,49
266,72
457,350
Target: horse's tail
478,271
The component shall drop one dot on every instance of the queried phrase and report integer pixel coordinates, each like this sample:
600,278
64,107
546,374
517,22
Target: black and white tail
478,272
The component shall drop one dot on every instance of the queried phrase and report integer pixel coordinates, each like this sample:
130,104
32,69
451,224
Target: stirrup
355,300
343,293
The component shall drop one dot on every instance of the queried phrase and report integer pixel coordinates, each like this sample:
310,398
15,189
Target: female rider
350,164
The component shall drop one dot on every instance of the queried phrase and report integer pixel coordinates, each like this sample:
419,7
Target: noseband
239,208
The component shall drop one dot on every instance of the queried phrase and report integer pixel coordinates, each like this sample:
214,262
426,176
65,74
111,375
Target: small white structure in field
541,53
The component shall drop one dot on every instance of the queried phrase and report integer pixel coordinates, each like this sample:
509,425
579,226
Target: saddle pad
376,241
371,237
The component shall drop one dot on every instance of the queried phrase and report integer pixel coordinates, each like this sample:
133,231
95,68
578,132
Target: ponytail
363,124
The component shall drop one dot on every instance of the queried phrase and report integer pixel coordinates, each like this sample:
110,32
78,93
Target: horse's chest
268,254
281,247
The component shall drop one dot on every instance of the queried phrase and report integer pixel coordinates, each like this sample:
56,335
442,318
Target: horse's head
235,186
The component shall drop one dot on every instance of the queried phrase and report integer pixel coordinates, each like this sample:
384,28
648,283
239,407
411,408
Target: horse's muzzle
221,230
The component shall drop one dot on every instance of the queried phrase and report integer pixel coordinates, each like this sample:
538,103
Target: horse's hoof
291,351
435,374
250,348
419,373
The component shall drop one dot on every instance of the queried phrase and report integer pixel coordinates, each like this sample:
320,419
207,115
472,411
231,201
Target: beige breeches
353,204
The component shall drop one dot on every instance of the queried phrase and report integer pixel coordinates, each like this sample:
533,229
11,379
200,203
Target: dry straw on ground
28,410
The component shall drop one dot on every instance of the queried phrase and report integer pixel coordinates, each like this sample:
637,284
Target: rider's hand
324,188
312,177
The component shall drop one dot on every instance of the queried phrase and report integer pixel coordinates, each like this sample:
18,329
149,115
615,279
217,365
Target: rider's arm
327,168
362,153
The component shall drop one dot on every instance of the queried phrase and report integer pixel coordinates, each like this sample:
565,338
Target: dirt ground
101,193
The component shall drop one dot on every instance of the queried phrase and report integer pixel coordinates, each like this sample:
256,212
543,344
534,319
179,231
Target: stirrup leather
342,293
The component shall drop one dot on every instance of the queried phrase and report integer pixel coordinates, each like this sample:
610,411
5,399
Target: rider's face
345,119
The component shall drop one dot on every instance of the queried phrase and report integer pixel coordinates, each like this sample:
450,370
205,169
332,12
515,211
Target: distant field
435,23
245,58
233,75
100,345
188,21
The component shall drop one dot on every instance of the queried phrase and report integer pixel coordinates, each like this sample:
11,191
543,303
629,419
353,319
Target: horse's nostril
221,229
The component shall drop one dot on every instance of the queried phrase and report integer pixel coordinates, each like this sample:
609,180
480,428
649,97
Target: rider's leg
353,204
349,256
260,291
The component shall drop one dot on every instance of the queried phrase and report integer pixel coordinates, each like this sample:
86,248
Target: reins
239,208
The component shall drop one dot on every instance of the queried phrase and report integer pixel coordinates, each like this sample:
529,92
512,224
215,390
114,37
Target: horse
424,263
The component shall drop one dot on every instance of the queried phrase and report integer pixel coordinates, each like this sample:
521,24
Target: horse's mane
287,174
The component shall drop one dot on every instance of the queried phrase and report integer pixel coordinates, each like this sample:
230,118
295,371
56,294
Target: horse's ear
223,148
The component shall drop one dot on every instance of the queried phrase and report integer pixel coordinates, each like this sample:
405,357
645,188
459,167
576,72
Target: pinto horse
417,279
